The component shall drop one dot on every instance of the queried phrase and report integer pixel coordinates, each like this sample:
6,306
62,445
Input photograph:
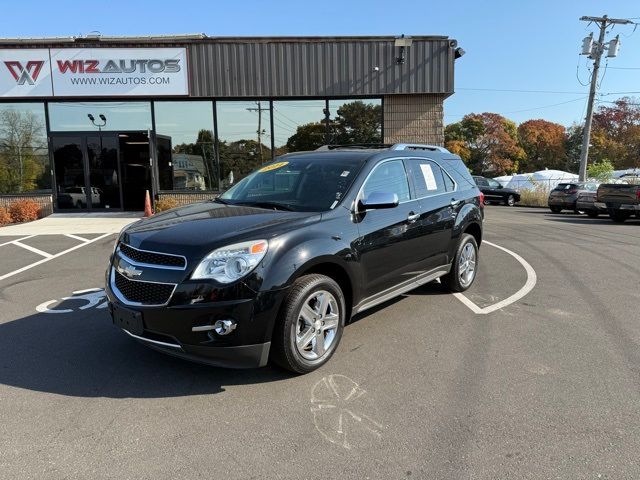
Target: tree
573,146
601,171
490,139
23,156
616,133
307,137
544,145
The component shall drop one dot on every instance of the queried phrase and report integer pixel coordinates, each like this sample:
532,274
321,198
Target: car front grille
161,260
138,292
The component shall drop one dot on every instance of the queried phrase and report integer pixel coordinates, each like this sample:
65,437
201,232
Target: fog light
224,327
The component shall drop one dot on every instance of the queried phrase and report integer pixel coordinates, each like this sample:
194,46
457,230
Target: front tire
555,209
593,213
465,265
311,324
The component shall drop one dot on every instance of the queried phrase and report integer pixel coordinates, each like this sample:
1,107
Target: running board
404,287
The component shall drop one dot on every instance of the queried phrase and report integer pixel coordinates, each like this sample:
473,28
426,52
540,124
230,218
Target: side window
388,177
481,182
493,183
427,178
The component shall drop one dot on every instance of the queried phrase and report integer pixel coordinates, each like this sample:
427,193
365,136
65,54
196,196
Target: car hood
197,229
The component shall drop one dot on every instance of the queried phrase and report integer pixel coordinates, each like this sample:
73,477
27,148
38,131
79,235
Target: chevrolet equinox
275,266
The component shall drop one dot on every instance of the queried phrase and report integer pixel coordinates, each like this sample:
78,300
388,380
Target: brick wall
414,119
44,200
185,198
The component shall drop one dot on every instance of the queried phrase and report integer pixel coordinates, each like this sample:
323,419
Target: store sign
94,72
25,73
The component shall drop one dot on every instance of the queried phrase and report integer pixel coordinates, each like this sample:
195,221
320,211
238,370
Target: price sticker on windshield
274,166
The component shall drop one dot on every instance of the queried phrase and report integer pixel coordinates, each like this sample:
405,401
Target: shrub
24,211
165,204
534,198
5,218
601,171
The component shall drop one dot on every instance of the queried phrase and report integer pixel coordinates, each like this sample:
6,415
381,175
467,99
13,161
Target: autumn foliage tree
488,140
616,133
544,145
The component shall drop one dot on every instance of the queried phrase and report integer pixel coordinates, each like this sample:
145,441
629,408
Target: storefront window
24,155
298,125
96,116
245,138
185,142
355,121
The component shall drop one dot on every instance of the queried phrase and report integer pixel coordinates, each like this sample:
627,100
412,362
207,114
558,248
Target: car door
494,190
436,194
388,240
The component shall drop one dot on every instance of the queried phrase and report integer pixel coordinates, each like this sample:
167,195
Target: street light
104,122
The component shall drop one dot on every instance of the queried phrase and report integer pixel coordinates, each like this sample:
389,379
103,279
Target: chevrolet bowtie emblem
129,271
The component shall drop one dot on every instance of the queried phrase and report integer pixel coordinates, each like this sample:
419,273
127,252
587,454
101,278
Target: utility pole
260,131
595,50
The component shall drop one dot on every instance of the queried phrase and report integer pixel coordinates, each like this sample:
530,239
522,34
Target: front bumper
182,330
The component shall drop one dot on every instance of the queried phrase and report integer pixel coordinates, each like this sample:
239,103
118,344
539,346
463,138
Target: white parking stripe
39,262
77,237
32,249
17,240
532,278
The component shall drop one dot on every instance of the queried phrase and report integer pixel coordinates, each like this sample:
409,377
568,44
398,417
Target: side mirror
379,200
500,186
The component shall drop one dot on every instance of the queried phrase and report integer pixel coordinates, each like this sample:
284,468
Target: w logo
25,74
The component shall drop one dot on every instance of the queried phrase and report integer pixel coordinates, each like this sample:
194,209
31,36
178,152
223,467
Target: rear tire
555,209
593,213
466,257
510,201
310,325
619,216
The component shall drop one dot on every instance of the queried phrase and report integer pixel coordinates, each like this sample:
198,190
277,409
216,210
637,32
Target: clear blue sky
510,44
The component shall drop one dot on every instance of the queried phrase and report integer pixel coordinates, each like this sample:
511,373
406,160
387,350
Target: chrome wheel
511,201
317,325
467,265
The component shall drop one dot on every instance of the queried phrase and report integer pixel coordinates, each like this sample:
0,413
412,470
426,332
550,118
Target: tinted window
481,182
307,183
388,177
427,178
493,183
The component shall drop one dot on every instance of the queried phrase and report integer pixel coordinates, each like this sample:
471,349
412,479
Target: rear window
565,186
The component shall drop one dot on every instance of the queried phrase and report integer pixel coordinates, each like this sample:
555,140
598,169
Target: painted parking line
532,279
16,240
46,259
76,237
42,253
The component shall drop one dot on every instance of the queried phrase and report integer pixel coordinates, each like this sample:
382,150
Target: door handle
413,217
454,202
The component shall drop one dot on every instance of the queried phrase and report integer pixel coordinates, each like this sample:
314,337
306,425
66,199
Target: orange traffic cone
147,205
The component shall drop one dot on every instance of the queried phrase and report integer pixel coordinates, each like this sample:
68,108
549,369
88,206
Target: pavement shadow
580,220
82,354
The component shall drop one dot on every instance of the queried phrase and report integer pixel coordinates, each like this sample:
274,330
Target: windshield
307,183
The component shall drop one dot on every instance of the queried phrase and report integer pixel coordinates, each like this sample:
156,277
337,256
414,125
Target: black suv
494,191
277,265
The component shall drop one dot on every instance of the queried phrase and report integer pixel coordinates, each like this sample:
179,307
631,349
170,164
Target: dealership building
94,122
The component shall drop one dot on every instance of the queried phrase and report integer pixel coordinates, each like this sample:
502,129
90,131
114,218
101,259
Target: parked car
586,202
494,192
621,200
277,265
565,195
76,197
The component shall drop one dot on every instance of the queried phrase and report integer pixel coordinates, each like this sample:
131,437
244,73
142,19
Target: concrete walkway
73,223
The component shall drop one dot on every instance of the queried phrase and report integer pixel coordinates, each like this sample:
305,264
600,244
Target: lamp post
99,125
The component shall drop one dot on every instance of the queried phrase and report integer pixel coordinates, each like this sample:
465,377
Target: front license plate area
130,320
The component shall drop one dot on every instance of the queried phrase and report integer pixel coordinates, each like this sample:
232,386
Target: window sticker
345,173
274,166
429,179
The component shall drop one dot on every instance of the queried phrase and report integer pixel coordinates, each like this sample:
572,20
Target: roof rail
356,146
418,146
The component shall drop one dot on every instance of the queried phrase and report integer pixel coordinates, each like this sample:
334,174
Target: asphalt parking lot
534,373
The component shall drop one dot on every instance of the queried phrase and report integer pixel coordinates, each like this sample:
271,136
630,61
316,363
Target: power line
505,90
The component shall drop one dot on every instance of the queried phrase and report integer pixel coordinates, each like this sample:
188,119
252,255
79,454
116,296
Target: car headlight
232,262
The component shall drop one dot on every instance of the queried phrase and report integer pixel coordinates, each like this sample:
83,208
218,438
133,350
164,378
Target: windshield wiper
269,205
219,200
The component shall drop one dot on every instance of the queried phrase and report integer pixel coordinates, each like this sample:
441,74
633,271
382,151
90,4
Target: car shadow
82,354
581,220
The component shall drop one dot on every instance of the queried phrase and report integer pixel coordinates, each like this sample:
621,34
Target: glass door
104,171
70,172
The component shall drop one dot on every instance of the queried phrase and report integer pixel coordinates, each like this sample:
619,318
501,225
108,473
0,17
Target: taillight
638,194
482,199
